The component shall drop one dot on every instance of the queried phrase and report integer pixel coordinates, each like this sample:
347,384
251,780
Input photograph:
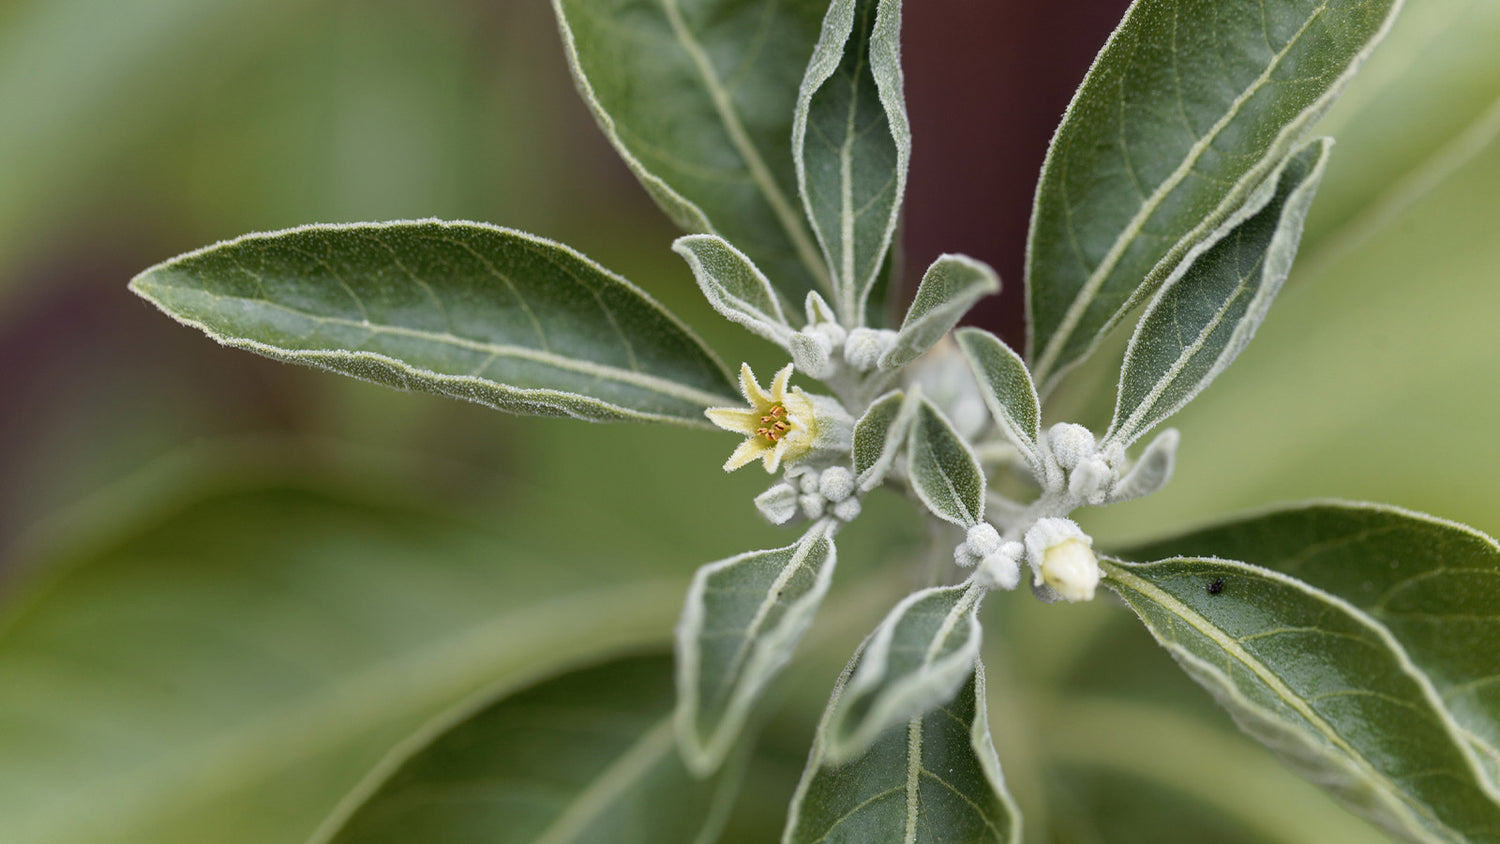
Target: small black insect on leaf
1216,587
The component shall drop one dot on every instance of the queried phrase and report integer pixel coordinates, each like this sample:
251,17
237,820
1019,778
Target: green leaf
1007,388
916,660
1187,109
228,663
1203,317
878,437
934,779
1434,584
740,625
943,470
584,757
852,144
697,96
734,286
949,288
464,310
1323,684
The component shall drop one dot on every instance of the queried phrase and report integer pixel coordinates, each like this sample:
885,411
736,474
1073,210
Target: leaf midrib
1128,431
614,780
785,215
634,378
1231,647
1061,335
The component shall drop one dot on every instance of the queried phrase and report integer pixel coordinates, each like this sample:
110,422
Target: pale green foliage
915,660
742,620
589,757
1325,685
1178,183
1201,320
1219,94
465,310
933,779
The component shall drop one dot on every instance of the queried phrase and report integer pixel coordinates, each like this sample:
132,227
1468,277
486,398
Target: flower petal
779,382
745,452
757,397
734,419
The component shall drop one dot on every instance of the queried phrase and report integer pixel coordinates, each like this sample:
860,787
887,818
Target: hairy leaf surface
1187,109
1434,584
1007,388
949,288
734,286
943,470
932,780
852,144
1201,320
740,625
879,436
918,658
697,96
1324,685
464,310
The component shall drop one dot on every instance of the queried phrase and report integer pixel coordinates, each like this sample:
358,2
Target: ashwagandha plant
1356,640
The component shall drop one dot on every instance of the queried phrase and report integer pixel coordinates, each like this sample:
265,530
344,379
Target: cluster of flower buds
1091,471
998,562
1062,560
812,494
824,345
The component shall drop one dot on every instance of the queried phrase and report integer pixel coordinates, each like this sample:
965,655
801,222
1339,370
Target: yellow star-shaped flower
779,426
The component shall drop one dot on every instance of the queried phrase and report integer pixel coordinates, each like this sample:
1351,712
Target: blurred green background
228,587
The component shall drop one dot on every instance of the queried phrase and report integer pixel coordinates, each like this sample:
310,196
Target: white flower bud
833,331
1062,557
1092,479
964,556
983,539
865,346
836,483
807,479
812,353
1070,443
778,504
848,509
1002,569
812,505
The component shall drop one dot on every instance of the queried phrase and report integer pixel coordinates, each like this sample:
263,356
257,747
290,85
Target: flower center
773,423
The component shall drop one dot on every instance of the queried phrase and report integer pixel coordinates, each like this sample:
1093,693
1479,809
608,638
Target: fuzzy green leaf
1434,584
464,310
1189,107
852,145
917,659
1007,388
1201,319
740,625
944,472
932,780
697,96
878,436
734,286
584,758
1324,685
949,288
